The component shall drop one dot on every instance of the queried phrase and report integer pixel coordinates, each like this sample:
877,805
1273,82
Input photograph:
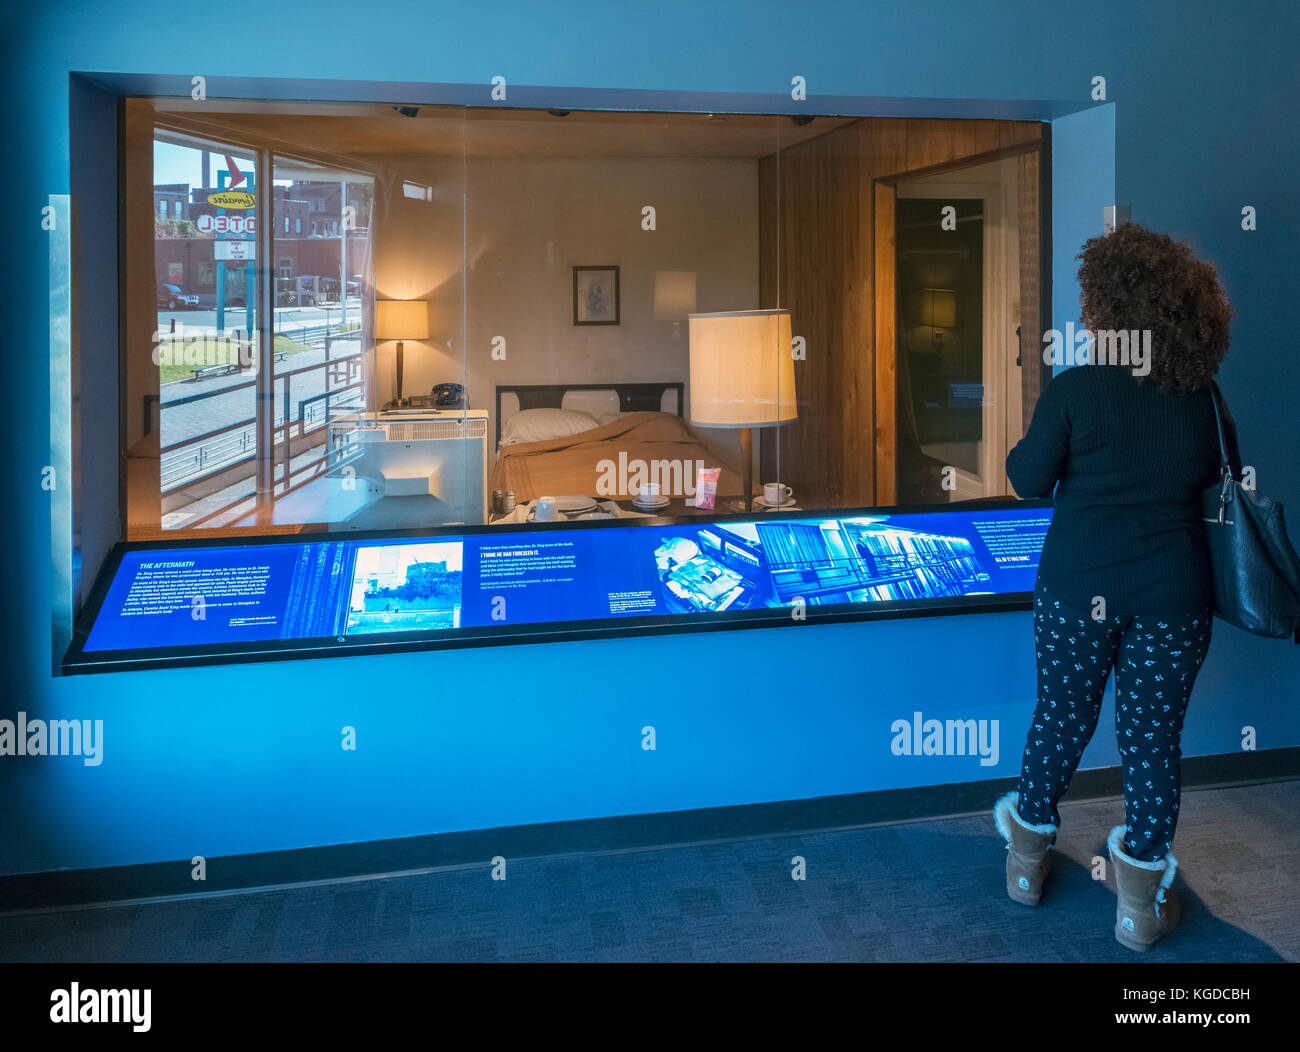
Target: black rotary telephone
448,396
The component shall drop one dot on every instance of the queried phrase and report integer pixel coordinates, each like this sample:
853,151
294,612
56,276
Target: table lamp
401,320
742,376
939,311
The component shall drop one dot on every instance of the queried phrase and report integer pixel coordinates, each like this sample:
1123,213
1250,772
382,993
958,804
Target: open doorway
957,334
958,303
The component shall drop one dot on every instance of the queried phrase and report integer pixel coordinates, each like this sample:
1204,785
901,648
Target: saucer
654,505
760,502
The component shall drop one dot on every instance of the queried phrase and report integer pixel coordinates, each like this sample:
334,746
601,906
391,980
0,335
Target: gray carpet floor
918,891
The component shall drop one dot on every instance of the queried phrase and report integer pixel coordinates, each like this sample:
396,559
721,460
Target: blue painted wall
228,760
1083,184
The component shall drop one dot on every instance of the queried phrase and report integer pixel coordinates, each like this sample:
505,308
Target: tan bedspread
573,465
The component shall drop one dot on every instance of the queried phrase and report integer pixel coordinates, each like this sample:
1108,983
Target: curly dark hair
1133,278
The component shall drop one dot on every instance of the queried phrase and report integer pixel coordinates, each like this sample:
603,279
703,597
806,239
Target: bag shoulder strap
1229,454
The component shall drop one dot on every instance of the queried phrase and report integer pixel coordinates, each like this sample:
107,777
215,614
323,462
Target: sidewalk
177,423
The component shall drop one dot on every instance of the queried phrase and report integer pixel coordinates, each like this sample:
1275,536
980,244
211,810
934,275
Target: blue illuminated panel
217,602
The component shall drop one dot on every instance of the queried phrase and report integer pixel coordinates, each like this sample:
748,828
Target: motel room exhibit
549,318
442,470
486,233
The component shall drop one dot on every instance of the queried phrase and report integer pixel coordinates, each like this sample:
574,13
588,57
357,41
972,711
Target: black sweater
1131,462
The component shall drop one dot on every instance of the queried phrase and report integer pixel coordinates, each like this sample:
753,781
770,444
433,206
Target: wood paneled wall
1033,376
817,244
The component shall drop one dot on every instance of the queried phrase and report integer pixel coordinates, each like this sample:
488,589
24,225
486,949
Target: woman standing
1128,442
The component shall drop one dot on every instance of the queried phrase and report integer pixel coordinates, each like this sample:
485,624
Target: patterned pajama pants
1156,660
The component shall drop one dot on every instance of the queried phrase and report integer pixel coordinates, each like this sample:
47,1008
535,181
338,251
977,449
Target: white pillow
538,425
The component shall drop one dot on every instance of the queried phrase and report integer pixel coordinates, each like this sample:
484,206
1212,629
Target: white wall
528,221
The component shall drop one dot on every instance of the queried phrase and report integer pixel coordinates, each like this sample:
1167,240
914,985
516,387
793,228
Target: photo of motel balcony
406,588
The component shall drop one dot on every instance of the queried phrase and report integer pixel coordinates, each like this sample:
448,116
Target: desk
424,466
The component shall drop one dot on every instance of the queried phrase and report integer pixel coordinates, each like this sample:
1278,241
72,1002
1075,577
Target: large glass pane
960,304
601,246
263,268
321,249
362,317
907,253
940,314
412,455
817,266
191,328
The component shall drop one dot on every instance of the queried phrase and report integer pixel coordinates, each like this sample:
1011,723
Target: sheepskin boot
1028,846
1146,907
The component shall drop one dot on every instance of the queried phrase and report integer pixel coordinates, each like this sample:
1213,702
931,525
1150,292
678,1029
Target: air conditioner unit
406,469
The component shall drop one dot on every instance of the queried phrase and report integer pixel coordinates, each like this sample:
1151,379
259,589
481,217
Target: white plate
759,502
596,515
662,502
569,505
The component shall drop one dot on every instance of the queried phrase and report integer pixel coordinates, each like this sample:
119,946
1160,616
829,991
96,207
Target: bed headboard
664,397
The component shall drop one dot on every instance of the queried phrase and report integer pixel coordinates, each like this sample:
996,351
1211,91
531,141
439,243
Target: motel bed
584,439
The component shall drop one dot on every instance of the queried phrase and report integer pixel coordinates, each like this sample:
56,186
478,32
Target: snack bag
706,487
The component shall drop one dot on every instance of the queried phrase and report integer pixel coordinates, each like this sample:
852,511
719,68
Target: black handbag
1255,569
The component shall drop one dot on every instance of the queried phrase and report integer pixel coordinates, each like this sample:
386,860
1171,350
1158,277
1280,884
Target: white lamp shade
674,294
939,308
742,369
402,320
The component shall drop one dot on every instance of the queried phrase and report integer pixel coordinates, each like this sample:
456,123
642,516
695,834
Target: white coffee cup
649,493
776,493
545,510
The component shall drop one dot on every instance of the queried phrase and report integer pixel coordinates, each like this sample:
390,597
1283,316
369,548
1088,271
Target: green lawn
172,370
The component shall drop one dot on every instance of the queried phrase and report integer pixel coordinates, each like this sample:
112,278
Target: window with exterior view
242,340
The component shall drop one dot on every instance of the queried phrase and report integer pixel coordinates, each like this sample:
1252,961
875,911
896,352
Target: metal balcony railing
218,449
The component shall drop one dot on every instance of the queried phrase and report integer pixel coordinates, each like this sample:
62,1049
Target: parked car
174,298
328,290
354,285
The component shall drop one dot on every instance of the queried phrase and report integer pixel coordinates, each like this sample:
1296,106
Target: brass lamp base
747,465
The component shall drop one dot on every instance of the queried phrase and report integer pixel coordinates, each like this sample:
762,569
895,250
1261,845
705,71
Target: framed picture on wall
595,295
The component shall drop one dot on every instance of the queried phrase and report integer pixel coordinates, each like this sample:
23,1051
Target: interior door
948,290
